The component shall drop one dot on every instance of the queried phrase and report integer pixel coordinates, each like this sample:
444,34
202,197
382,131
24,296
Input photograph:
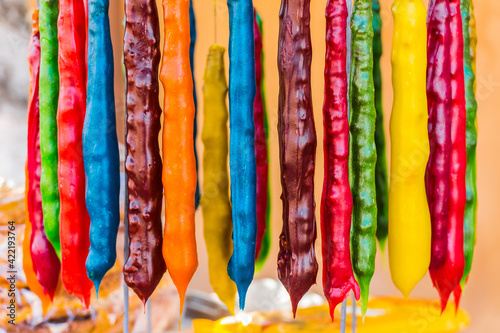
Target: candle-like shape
46,264
381,181
242,165
336,201
297,265
470,215
49,94
216,207
447,277
100,145
260,142
437,175
179,165
362,153
262,252
192,43
410,226
74,220
145,265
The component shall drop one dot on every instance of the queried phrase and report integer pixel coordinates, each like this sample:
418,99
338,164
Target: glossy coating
179,164
242,165
74,220
45,263
470,216
448,276
49,94
260,142
409,219
297,265
145,265
363,154
192,42
216,206
336,200
100,145
262,252
381,178
437,174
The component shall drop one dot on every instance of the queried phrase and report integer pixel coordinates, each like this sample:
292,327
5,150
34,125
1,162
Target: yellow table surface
385,315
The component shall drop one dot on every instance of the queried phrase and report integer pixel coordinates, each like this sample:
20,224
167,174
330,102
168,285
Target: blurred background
481,296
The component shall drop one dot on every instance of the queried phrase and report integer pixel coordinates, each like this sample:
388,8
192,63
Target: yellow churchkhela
215,203
409,220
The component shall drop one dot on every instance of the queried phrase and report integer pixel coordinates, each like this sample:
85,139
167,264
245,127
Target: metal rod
148,314
354,317
343,315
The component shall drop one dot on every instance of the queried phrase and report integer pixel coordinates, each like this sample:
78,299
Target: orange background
481,296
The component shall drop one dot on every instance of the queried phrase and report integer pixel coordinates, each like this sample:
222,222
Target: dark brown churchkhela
297,265
145,265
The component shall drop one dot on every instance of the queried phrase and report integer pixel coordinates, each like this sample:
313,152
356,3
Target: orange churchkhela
179,166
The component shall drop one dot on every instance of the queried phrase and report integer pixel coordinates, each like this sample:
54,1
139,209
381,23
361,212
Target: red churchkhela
260,142
74,220
45,261
336,202
447,276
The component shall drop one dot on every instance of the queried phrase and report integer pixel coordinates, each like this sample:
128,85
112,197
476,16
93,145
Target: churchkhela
265,247
242,165
145,265
49,95
409,220
45,265
362,151
74,221
100,146
447,276
215,203
470,215
179,164
261,152
439,105
336,201
381,181
297,265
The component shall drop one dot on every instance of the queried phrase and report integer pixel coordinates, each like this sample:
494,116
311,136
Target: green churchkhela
363,154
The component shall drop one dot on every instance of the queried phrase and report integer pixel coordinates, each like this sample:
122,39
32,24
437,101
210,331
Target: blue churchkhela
242,165
100,146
